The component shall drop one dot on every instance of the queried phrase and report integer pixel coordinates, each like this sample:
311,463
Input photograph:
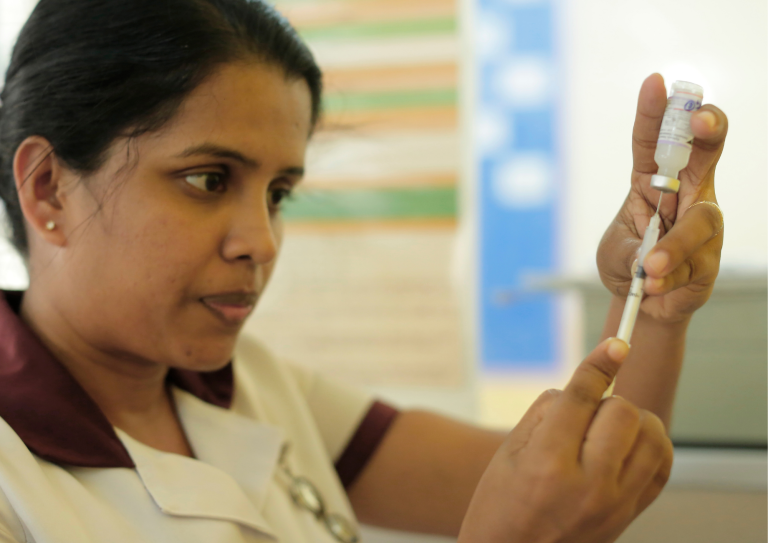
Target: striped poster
363,286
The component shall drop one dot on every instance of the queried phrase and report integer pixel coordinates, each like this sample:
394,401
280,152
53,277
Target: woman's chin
210,356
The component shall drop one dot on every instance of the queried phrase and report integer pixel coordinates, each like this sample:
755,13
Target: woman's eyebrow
296,171
212,149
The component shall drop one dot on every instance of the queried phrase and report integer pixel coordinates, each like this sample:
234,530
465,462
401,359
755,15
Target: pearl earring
50,225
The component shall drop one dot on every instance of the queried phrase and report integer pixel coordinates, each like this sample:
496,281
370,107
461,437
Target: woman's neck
131,392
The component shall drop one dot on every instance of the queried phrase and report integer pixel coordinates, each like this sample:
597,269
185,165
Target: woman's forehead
246,107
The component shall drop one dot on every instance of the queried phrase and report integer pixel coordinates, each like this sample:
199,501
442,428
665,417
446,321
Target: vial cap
663,183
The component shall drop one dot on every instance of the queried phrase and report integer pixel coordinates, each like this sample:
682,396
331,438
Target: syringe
673,149
635,296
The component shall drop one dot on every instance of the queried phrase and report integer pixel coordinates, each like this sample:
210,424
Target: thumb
519,436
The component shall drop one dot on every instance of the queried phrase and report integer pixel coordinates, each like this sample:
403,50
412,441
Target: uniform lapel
228,479
245,449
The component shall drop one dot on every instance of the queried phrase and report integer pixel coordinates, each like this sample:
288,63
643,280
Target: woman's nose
251,236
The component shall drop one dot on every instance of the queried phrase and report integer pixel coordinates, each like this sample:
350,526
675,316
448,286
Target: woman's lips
232,308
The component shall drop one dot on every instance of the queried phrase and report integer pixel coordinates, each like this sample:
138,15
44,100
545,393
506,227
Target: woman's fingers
519,436
610,438
656,484
688,252
648,466
710,127
700,268
651,104
566,423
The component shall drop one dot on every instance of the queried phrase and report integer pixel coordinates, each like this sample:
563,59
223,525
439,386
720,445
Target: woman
145,148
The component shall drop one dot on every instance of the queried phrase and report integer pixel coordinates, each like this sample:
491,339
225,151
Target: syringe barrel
631,309
673,147
650,237
635,295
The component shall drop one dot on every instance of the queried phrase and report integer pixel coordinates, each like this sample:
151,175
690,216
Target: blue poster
518,165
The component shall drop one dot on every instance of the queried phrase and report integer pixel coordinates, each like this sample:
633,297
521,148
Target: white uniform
231,492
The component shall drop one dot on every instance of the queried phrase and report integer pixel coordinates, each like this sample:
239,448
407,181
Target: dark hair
85,72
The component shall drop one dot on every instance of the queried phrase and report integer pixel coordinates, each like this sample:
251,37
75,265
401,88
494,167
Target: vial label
676,125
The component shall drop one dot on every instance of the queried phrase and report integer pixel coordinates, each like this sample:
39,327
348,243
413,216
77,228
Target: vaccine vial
675,138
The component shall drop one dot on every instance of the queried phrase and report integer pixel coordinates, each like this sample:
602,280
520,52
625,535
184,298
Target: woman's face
171,243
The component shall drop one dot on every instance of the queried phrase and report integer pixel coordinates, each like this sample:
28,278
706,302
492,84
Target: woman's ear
39,179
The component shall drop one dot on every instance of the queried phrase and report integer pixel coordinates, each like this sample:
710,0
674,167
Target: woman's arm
574,470
648,377
683,265
426,469
423,474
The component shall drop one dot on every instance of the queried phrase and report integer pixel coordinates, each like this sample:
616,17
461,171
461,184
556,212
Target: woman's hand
576,469
684,264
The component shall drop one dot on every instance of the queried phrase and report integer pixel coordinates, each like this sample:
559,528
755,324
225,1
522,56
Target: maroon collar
52,413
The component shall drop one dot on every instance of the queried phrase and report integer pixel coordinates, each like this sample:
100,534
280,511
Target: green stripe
357,101
280,4
371,204
381,29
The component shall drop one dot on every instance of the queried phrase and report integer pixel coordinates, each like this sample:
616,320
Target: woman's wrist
677,324
646,324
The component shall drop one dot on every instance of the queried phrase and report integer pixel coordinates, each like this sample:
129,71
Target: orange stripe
431,76
330,227
307,15
393,119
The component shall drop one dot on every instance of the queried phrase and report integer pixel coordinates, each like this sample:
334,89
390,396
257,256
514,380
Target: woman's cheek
278,232
159,255
278,229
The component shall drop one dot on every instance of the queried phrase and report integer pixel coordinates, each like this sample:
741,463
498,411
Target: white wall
13,13
609,47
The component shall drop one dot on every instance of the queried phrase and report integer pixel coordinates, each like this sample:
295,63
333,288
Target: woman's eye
208,181
277,196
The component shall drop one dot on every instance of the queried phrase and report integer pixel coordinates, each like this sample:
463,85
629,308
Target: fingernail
634,268
657,261
654,283
617,349
617,396
708,118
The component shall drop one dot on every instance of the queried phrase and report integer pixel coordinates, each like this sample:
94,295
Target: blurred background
441,252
